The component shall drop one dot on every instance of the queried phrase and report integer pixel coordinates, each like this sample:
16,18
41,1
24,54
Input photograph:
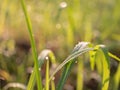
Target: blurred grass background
57,25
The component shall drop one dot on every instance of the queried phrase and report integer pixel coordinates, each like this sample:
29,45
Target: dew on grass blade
53,78
39,69
79,49
80,45
43,57
76,62
102,46
46,58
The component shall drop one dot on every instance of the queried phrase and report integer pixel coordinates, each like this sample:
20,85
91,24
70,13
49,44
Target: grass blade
71,57
80,75
102,61
68,62
113,56
41,58
47,76
14,85
92,59
32,41
65,74
52,85
117,78
106,70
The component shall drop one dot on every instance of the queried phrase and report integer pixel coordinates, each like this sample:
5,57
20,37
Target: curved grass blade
93,56
14,85
103,65
32,41
79,49
41,60
106,70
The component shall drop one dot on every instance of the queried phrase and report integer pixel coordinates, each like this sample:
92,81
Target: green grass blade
78,50
47,76
106,70
117,78
65,74
32,80
52,85
34,52
71,57
98,63
102,61
113,56
92,59
80,75
41,59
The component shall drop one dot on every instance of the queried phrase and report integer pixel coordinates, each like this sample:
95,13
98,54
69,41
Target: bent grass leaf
41,60
14,85
106,70
102,62
93,56
79,49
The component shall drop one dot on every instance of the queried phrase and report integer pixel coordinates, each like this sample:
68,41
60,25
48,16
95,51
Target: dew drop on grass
39,69
63,4
32,71
46,58
53,78
76,61
102,46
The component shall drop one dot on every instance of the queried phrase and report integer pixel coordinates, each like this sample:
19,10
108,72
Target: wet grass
57,26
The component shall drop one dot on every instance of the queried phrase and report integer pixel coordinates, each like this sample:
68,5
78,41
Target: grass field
59,45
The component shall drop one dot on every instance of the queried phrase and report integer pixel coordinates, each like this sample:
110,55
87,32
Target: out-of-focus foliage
61,17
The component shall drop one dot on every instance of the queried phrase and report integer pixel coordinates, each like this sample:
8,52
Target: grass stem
34,52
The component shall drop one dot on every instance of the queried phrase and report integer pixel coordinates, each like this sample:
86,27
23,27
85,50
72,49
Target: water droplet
46,58
53,78
76,61
39,69
63,4
102,46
